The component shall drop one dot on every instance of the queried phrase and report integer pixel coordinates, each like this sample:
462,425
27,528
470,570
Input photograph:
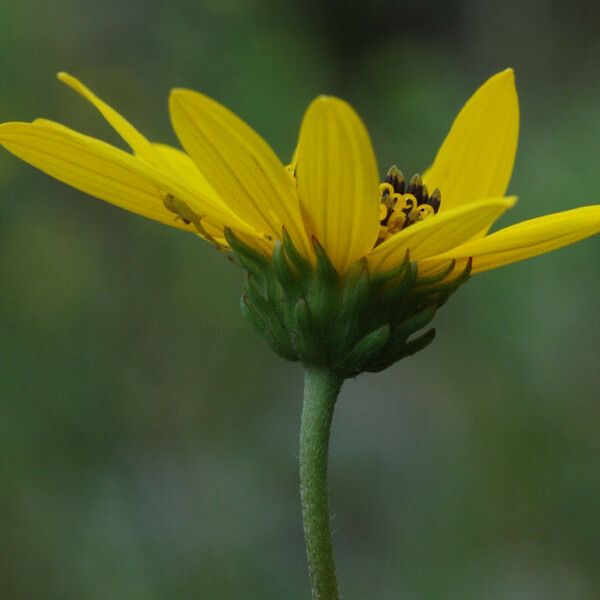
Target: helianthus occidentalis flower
343,269
325,241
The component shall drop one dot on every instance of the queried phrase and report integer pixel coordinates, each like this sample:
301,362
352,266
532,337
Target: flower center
403,204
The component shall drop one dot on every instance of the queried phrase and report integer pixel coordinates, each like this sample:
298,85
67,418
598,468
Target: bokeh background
148,437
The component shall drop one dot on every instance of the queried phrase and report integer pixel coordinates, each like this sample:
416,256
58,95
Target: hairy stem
321,388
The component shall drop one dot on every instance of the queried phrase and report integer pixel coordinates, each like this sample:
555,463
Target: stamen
396,179
403,204
424,211
407,203
435,200
387,189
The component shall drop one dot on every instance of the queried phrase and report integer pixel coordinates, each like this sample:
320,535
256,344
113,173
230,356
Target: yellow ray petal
238,164
171,173
476,159
529,238
338,180
165,157
137,142
438,234
184,168
98,169
160,155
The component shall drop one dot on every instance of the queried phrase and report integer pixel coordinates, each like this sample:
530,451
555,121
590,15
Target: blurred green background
148,438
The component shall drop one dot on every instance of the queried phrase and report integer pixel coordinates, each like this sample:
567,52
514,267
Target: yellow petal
238,164
183,167
529,238
137,142
98,169
476,159
171,173
166,158
338,181
160,155
439,233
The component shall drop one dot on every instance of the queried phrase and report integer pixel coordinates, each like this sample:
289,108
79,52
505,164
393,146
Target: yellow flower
229,178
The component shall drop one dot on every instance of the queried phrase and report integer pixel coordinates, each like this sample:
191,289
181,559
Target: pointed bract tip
315,242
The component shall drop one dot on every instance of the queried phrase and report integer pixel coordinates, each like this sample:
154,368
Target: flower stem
321,388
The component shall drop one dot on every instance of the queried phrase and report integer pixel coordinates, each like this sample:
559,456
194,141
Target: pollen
403,204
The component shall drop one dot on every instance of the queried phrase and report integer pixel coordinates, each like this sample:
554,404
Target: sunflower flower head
345,269
351,321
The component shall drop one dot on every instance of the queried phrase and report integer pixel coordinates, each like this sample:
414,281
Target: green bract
349,324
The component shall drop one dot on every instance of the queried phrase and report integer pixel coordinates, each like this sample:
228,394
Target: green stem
321,388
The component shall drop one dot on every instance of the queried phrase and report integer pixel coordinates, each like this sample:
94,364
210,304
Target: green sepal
254,262
355,294
256,295
380,279
322,293
252,316
300,263
399,335
417,344
407,349
417,321
275,329
350,323
250,259
460,280
283,271
307,341
325,271
355,361
444,291
393,296
439,276
357,288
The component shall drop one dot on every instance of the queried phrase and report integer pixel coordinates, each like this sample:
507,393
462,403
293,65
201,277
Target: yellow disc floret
403,204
